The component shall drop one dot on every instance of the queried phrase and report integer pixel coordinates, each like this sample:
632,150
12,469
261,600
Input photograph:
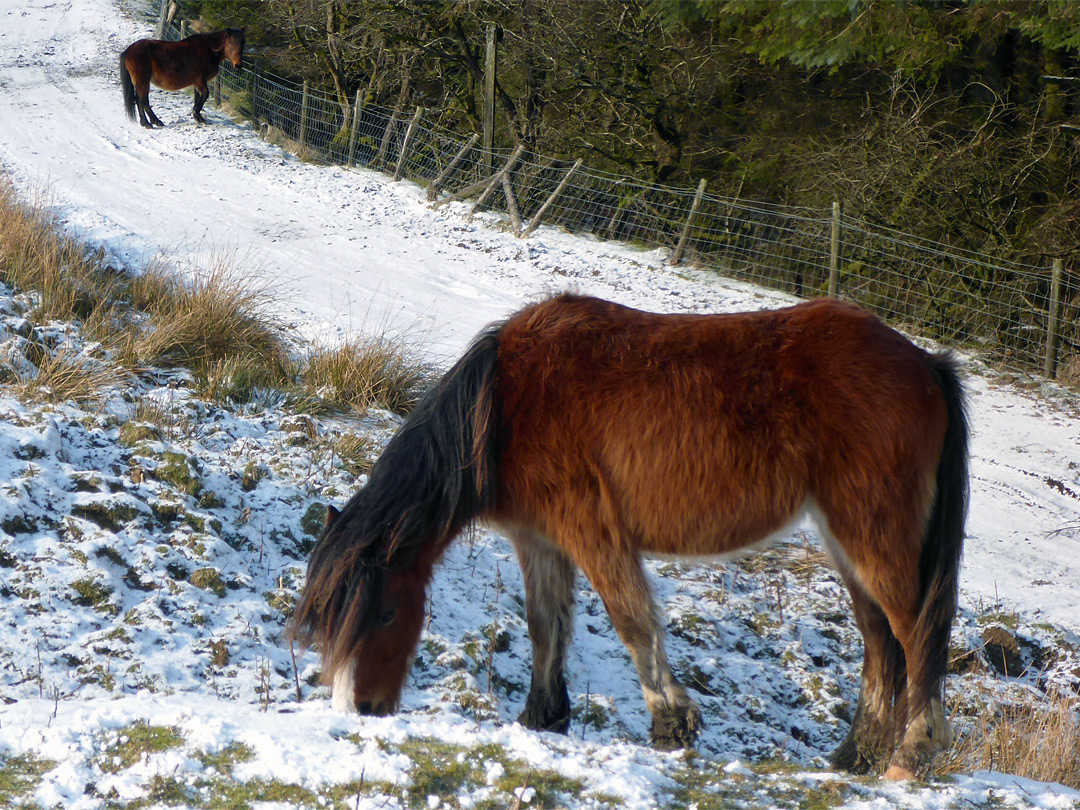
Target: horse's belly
720,535
167,82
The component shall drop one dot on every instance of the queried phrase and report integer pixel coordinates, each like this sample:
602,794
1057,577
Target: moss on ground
19,777
128,745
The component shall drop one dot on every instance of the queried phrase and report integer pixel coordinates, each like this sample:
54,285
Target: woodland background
934,118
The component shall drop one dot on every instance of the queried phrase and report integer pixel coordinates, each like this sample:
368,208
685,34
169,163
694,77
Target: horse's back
704,433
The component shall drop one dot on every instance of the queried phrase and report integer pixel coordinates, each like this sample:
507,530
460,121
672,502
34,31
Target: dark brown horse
174,66
593,434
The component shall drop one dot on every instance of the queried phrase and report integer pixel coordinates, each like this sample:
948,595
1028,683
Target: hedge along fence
1017,317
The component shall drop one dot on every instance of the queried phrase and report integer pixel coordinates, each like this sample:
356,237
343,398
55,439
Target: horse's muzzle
372,709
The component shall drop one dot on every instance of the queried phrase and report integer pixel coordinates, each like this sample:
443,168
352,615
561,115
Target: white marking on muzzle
344,689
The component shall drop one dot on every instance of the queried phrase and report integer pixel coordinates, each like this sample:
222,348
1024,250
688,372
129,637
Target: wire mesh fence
997,309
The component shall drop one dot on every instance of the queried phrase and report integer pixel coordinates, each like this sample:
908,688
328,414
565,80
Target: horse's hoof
907,764
671,731
560,725
898,774
547,715
859,755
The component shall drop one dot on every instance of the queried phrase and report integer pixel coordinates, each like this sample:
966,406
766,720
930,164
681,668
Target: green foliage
179,471
226,758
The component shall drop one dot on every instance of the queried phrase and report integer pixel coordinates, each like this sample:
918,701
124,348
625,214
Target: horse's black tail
128,88
943,544
434,477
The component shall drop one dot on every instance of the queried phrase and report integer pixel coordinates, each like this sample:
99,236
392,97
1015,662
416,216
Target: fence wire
996,309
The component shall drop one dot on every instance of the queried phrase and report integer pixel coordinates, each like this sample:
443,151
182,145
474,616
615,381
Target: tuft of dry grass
36,255
66,375
358,375
219,322
1037,739
355,452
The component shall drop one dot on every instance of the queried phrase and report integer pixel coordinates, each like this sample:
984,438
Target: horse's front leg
616,574
202,93
549,609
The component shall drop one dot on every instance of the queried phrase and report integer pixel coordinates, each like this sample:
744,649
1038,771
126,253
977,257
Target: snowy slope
354,252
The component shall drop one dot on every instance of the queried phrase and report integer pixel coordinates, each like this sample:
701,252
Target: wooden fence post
1050,366
253,90
433,189
400,168
380,156
676,257
511,203
503,172
302,137
834,250
183,29
350,158
487,185
534,223
159,32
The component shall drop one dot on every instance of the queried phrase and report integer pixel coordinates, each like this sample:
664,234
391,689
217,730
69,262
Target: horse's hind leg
549,608
142,100
870,739
887,570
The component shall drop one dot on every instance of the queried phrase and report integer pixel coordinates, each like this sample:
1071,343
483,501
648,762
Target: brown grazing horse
174,66
593,435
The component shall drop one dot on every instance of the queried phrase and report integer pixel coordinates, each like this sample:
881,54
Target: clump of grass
358,375
35,255
219,323
180,472
355,452
1035,739
64,376
225,760
208,579
94,594
446,769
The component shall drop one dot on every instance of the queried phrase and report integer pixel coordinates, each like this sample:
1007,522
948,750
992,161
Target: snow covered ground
129,606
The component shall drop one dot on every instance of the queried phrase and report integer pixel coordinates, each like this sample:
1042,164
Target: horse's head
381,661
369,644
234,47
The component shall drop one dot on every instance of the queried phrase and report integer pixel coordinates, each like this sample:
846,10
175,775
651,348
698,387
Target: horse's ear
332,514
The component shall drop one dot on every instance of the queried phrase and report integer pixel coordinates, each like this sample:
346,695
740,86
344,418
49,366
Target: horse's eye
387,618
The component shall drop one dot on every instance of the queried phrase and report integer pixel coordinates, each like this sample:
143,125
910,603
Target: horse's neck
216,41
